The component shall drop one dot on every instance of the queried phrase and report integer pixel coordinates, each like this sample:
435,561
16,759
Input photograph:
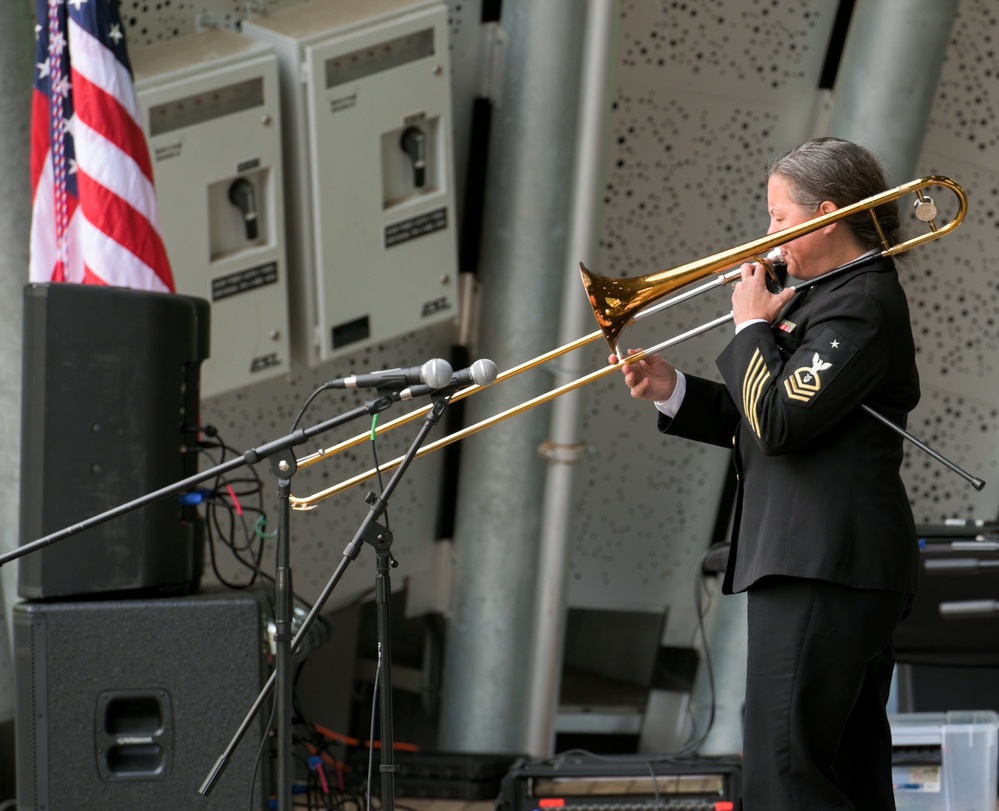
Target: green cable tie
258,528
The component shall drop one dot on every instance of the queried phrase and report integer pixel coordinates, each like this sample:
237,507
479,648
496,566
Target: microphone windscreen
483,372
436,372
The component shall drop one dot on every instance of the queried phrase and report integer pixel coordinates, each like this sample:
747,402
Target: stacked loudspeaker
109,414
125,705
130,680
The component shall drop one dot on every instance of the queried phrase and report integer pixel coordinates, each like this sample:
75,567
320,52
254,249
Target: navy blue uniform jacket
820,495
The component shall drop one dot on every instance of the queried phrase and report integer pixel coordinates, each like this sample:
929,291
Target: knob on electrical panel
211,109
377,211
244,197
414,144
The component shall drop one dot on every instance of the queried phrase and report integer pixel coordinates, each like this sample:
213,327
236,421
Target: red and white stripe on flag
94,213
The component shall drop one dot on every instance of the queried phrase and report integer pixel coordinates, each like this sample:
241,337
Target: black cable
305,406
260,755
371,731
242,488
700,588
214,528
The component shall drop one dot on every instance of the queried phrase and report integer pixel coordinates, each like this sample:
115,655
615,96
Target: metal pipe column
888,77
17,59
502,477
565,448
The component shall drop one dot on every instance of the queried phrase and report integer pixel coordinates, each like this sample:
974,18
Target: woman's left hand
751,300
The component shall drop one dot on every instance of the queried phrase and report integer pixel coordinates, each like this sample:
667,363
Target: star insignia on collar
834,344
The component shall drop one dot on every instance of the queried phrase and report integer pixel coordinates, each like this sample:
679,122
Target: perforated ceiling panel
707,93
966,430
147,23
953,284
702,107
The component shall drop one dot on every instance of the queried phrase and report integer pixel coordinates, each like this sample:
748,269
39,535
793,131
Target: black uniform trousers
820,662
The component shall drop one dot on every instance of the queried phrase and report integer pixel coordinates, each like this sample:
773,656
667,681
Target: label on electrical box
264,362
244,280
414,227
438,305
167,151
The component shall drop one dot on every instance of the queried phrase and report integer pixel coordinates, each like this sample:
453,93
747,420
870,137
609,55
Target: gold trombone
618,302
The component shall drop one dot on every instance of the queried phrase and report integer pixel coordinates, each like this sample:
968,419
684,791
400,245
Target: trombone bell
615,301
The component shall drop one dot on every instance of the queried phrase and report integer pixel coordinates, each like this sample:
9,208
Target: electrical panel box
370,192
210,106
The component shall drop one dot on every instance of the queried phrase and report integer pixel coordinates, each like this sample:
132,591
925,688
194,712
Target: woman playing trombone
824,541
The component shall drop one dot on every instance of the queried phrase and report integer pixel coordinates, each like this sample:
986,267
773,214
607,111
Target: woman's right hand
651,378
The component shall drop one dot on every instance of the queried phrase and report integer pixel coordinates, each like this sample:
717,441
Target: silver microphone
434,373
481,373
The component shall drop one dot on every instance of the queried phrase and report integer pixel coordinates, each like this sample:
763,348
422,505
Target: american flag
94,212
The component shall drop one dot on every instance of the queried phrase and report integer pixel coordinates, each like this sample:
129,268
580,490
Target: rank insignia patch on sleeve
805,382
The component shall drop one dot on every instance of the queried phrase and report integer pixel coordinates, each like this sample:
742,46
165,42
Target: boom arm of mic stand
369,525
250,457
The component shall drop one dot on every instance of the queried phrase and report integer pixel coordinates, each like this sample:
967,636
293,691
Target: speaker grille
176,676
110,402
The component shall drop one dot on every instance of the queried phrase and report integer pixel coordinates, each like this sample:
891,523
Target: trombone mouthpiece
776,267
773,257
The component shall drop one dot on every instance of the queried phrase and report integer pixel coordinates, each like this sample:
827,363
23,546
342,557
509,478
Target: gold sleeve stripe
753,384
757,392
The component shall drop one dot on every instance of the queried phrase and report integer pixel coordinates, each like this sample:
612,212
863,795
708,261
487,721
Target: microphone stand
380,538
284,465
974,481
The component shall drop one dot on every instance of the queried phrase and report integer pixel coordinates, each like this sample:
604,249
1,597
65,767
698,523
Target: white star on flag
95,218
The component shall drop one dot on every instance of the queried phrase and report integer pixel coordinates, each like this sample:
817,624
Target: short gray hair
842,172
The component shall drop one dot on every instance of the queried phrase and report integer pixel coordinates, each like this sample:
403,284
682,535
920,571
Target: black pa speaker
126,705
948,649
953,577
110,402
